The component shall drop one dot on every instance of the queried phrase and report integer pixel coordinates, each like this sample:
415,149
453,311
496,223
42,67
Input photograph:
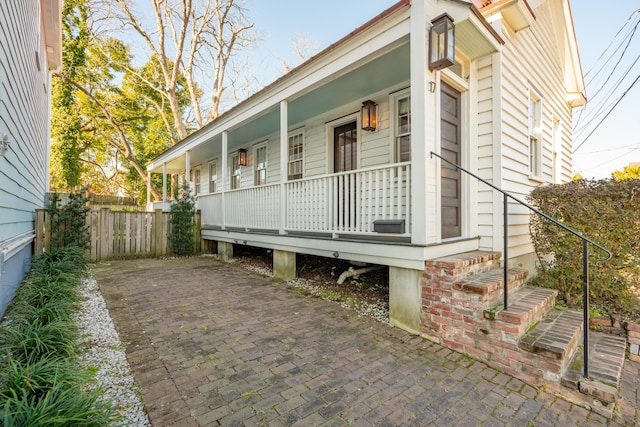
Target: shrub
68,223
181,225
608,213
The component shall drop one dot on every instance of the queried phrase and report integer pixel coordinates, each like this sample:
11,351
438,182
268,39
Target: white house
300,167
30,47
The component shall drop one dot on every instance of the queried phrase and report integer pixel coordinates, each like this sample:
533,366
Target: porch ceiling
372,77
380,73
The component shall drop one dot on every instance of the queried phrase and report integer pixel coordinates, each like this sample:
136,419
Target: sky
611,146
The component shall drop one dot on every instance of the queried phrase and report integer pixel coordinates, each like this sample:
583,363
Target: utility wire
611,42
601,104
607,115
627,37
635,146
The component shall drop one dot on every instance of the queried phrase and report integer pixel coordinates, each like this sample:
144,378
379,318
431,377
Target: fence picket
120,234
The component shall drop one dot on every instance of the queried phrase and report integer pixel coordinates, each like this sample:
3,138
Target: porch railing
585,253
346,202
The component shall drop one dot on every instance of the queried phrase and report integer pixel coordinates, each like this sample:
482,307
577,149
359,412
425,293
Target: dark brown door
450,150
345,148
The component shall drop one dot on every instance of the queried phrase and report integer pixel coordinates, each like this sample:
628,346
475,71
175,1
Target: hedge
608,213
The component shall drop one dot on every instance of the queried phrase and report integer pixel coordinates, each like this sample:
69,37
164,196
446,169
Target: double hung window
294,167
534,123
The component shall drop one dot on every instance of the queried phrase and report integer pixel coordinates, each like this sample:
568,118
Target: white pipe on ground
351,272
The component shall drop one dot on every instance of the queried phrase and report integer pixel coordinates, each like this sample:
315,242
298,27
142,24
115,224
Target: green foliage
40,381
182,223
68,223
66,123
605,211
37,340
62,405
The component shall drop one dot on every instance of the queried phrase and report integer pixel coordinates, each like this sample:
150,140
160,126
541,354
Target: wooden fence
116,235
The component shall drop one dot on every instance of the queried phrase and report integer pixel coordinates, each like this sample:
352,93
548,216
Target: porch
357,202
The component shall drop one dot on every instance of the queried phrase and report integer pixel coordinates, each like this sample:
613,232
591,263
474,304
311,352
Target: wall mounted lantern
441,43
4,144
369,115
242,157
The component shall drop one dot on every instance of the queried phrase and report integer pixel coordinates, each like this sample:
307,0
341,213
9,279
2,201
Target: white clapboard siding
531,57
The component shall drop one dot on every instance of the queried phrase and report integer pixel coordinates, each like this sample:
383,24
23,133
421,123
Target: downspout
351,272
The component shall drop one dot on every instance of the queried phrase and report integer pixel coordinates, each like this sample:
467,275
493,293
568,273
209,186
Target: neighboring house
30,47
300,167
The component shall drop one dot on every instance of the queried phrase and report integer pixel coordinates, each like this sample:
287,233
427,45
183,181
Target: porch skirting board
349,247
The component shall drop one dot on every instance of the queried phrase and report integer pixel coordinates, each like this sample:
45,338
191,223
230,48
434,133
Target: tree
203,36
304,48
628,172
125,114
66,124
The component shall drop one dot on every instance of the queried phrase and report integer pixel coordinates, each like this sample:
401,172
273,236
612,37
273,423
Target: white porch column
284,156
148,188
187,166
419,155
164,184
223,178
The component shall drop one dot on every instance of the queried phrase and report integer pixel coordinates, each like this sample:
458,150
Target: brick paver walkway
211,344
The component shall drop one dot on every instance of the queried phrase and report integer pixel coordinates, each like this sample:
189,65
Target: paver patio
212,344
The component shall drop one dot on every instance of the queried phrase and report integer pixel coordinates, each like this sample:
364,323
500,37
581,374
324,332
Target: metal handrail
585,253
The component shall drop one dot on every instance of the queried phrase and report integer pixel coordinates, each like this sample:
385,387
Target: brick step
556,337
464,265
489,285
527,306
606,360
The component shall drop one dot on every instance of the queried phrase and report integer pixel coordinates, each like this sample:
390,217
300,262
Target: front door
345,147
450,150
345,152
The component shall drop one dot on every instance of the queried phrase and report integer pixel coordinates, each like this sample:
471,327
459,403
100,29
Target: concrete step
526,307
606,360
489,285
556,337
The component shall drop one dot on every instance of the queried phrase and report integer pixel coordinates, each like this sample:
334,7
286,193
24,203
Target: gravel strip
106,356
376,311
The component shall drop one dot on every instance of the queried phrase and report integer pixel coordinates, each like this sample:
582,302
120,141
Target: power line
635,146
607,115
628,37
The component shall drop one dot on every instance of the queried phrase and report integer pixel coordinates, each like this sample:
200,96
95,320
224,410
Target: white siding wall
24,117
487,128
530,56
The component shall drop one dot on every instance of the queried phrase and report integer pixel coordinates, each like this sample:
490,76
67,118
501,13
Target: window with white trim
196,180
234,170
260,171
213,176
403,128
294,167
535,132
557,151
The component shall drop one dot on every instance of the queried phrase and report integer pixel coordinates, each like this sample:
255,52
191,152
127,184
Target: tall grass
40,380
